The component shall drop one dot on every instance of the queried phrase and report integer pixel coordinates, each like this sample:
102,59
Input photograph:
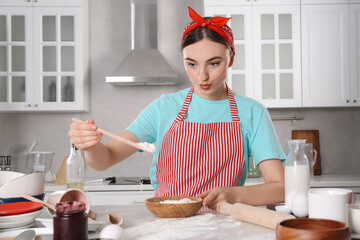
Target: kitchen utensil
311,136
141,146
329,203
26,235
31,184
9,209
114,218
40,161
256,215
354,217
175,210
51,207
312,229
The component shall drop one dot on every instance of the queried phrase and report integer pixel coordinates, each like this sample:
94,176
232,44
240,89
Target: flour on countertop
195,227
181,201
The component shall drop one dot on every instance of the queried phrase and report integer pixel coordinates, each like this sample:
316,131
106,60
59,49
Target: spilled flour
195,227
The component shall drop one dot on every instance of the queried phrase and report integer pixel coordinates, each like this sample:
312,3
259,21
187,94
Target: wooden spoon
48,205
114,218
117,137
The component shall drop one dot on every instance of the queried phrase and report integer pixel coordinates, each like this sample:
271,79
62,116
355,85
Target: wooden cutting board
312,136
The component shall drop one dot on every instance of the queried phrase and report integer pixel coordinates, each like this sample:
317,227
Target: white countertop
139,223
333,180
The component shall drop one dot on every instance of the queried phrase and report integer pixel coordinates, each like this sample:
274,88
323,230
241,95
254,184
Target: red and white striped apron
196,157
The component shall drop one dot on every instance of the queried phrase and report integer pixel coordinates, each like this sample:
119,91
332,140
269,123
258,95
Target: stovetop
129,180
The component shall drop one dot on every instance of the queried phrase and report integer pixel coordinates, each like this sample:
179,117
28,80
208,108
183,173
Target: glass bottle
297,173
75,169
70,221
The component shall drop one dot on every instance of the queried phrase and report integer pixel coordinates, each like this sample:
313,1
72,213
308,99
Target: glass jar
70,221
297,173
75,169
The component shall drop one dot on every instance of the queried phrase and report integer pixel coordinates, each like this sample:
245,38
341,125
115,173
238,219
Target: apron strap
233,109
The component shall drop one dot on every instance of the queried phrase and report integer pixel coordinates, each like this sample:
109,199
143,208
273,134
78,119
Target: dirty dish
7,176
312,229
16,225
9,209
31,184
157,206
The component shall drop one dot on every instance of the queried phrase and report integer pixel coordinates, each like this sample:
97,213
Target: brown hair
201,33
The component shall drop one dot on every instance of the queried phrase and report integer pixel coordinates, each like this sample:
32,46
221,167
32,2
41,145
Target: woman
205,134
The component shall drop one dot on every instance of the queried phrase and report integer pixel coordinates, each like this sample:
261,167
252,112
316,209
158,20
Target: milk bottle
297,175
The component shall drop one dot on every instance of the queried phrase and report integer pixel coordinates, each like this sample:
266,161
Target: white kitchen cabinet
330,55
267,63
355,53
44,55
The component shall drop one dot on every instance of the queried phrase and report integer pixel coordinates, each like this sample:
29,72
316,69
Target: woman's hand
84,135
220,194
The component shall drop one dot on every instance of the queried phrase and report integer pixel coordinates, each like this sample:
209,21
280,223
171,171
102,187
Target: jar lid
70,207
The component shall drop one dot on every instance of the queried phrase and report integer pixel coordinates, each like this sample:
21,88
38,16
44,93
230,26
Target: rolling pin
256,215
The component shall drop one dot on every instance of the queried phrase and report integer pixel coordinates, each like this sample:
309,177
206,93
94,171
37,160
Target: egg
289,197
299,201
300,205
112,231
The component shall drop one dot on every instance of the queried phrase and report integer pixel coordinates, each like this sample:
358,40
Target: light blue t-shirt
257,131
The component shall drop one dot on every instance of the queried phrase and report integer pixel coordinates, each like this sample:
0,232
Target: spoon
26,235
114,218
52,207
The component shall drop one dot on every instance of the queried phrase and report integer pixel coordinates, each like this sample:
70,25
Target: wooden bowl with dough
174,209
312,229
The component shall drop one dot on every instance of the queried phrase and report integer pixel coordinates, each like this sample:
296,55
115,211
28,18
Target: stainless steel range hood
144,64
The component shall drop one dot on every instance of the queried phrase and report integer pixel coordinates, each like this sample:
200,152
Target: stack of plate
19,215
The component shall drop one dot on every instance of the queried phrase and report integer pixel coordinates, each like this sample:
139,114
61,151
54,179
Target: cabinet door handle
354,101
347,101
29,105
36,105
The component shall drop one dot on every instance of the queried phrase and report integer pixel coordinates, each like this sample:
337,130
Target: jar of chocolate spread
70,221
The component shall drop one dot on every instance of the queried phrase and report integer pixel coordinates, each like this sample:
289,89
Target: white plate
20,217
15,225
38,231
48,222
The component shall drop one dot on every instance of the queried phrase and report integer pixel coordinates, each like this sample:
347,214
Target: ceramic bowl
68,195
32,184
354,217
173,210
7,176
20,199
312,229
